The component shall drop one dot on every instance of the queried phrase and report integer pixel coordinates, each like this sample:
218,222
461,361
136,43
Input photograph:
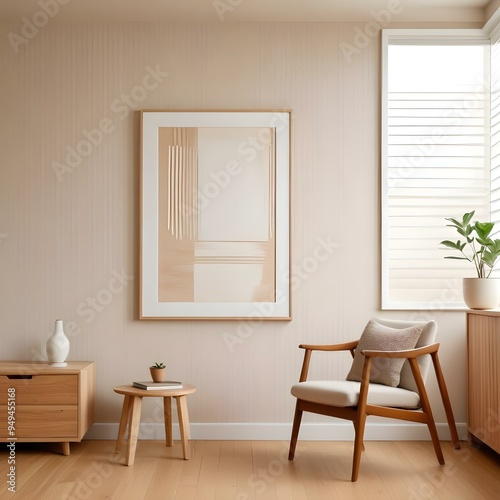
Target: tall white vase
57,346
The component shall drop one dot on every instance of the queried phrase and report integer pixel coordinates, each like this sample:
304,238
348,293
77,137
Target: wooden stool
131,415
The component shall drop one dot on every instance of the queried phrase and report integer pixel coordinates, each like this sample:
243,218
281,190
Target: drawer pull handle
17,377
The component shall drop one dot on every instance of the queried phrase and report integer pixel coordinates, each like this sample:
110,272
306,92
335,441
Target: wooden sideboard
483,377
42,403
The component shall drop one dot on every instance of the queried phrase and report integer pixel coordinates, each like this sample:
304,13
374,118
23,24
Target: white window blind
495,126
435,162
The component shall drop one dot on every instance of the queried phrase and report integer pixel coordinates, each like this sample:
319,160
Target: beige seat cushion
380,337
346,393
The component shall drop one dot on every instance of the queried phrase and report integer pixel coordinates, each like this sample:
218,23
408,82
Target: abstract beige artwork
217,231
216,216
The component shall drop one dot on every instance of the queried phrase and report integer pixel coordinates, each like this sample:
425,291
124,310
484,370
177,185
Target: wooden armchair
352,400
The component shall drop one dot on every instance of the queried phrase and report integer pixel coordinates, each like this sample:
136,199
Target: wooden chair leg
295,431
362,443
359,429
446,401
359,423
426,409
435,439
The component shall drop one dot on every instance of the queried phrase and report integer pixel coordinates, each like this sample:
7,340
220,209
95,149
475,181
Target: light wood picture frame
215,215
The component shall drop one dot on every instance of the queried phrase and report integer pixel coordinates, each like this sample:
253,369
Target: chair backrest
428,336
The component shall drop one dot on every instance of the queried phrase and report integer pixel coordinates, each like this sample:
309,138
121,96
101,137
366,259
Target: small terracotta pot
158,374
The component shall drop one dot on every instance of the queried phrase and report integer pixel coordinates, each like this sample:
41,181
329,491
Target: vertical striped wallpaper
69,201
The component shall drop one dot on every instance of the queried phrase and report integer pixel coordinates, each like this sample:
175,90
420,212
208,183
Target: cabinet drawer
39,421
41,389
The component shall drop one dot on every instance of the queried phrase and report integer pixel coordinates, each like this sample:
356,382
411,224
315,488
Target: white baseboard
344,431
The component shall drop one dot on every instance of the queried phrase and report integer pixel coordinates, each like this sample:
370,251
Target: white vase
481,293
57,346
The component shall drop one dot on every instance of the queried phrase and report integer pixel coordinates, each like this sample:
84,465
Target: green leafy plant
477,247
158,365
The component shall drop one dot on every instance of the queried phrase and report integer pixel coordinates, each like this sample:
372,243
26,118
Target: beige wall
66,237
491,8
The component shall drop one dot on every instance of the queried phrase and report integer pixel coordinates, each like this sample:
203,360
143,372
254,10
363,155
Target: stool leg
135,419
123,424
182,413
167,417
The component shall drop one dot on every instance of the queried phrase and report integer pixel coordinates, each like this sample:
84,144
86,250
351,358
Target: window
495,124
435,159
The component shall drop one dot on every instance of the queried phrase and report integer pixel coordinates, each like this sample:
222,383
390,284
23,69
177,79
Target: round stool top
130,390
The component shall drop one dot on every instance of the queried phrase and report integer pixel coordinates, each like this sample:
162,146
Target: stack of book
149,386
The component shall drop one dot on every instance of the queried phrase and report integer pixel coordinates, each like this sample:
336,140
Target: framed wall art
215,215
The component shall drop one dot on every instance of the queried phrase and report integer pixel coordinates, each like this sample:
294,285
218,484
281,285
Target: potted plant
158,372
481,292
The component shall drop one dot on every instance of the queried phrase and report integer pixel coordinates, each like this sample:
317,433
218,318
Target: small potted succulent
158,372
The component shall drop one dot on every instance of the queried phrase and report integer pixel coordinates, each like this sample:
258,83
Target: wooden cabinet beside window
483,377
42,403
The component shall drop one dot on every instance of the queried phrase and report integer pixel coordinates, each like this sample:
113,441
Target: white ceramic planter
481,293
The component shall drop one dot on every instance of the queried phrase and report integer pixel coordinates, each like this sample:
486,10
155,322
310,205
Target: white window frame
420,37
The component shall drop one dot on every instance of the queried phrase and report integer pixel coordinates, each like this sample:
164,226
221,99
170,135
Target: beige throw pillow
383,338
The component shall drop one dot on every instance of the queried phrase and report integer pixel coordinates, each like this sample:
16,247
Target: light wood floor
244,470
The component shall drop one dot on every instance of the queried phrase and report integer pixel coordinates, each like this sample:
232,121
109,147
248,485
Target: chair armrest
407,353
346,346
309,348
